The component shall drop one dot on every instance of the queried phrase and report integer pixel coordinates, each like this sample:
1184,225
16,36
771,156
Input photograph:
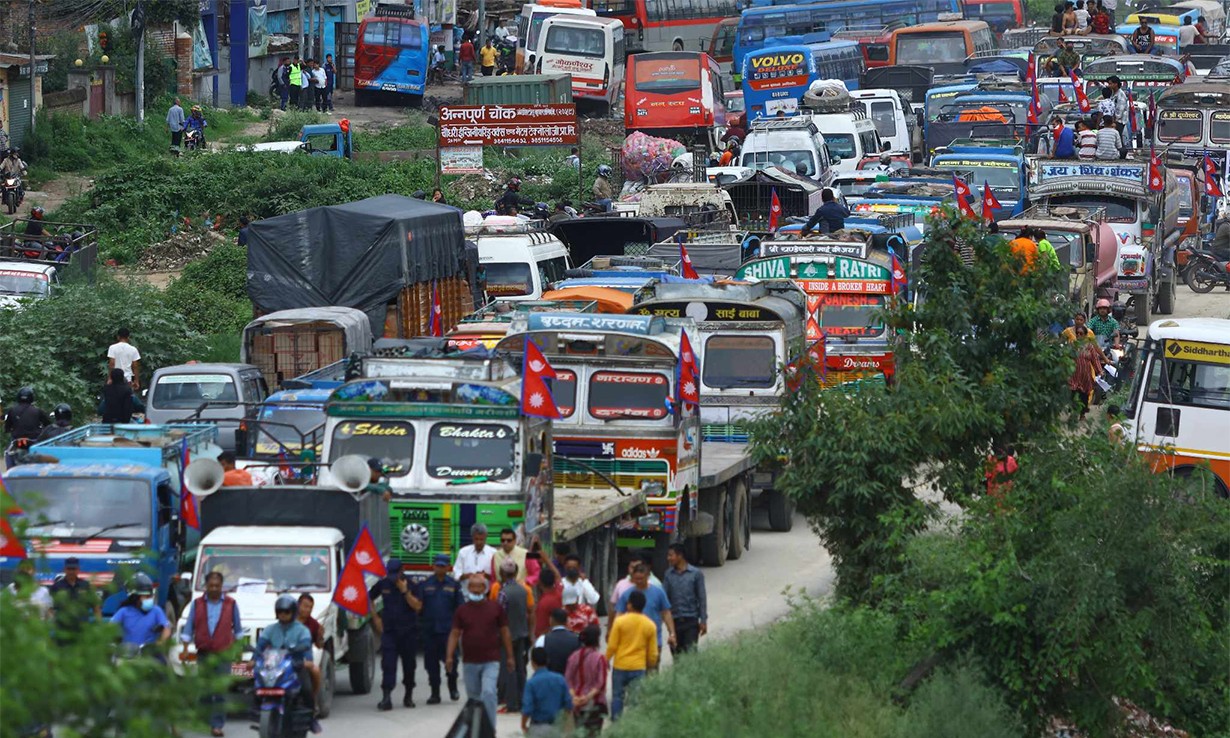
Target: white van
529,28
850,136
890,114
591,50
794,144
517,261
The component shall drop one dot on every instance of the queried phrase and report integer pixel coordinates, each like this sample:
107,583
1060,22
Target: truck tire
715,547
1143,310
781,511
740,533
362,660
328,685
1165,298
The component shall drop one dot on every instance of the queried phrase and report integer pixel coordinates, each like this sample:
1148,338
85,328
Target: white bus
529,27
591,50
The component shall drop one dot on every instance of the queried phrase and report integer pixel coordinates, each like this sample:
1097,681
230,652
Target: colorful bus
1000,14
674,94
667,25
942,46
392,55
786,71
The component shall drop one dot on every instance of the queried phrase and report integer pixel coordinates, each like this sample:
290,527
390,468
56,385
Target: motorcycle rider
141,621
63,423
292,636
24,422
511,201
13,166
196,122
1220,245
603,194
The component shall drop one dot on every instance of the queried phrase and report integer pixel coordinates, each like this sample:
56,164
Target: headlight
651,521
653,488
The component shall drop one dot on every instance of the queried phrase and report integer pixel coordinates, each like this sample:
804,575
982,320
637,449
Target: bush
286,127
206,311
224,271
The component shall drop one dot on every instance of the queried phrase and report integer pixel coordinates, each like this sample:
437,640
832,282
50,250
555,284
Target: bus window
589,42
611,8
389,33
884,115
1182,126
1195,384
668,74
723,44
871,143
740,361
931,48
1219,127
628,394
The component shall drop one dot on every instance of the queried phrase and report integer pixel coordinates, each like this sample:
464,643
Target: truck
1146,223
22,281
1085,244
270,541
111,499
999,163
333,139
71,249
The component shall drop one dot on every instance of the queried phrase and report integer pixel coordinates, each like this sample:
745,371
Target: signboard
508,125
857,250
1209,353
728,312
24,69
638,324
974,163
859,269
765,269
461,160
1180,115
842,285
776,69
1134,173
1219,132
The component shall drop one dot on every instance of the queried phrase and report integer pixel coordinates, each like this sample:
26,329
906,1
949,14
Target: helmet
1103,303
196,108
63,412
514,183
286,603
140,584
604,170
25,394
15,151
734,141
36,213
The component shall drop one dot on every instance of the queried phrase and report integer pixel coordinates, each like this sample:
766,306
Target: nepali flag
1151,116
963,194
1082,100
436,326
1132,112
1030,72
775,211
689,374
366,555
1156,182
1035,107
793,374
686,268
351,592
989,203
897,271
536,398
1212,187
187,500
1063,96
815,356
10,544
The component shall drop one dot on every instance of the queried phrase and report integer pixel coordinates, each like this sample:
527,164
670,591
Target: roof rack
502,311
537,230
630,263
795,123
1043,211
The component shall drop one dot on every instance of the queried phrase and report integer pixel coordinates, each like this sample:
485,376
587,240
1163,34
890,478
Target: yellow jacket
632,644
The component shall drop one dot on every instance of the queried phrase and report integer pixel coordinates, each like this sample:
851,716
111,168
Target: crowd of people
305,84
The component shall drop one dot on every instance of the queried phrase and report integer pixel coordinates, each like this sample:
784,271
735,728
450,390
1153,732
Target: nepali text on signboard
508,125
1131,172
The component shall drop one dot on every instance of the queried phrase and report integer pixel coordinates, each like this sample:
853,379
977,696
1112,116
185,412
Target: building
16,101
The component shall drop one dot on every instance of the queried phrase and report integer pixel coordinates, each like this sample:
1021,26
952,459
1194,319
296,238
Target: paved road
744,594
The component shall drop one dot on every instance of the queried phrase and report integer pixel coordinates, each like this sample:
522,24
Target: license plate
270,692
242,669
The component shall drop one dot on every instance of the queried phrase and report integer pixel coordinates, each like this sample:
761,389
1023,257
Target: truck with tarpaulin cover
109,495
746,333
1146,223
617,386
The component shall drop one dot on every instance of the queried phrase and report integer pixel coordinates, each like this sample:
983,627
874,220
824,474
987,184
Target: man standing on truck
480,626
397,623
829,217
124,356
441,596
213,627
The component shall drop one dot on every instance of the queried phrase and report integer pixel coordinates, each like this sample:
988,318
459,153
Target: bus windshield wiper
108,528
624,416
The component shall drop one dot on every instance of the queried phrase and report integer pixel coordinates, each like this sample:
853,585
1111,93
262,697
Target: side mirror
1090,252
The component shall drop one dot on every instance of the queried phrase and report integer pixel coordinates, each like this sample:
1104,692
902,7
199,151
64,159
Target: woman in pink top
586,677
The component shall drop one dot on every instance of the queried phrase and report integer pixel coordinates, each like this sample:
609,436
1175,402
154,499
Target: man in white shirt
574,580
319,82
123,355
475,558
1187,33
1082,15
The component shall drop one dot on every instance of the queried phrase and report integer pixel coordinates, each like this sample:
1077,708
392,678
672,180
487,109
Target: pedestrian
632,648
1088,140
475,558
486,57
242,238
281,81
74,599
550,597
574,578
481,628
330,81
518,602
397,624
465,55
559,641
213,626
305,85
123,355
320,81
294,78
25,582
441,595
586,677
1089,363
1065,139
1079,330
574,159
118,402
623,585
581,615
830,216
546,696
508,551
657,605
1001,465
437,195
233,476
307,603
685,588
175,123
1109,141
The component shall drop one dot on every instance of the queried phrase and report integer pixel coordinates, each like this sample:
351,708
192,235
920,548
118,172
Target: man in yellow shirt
486,58
632,647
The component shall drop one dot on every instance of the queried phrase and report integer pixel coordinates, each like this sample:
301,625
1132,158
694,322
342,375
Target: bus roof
1207,330
956,25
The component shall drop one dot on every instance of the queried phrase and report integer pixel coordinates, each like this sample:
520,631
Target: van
529,27
591,50
517,261
850,136
891,115
794,144
222,394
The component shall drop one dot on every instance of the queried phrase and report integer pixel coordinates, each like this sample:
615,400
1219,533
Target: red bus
674,94
872,42
667,25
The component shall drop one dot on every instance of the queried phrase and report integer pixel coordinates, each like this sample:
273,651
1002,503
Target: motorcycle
193,140
11,194
280,710
1205,271
506,55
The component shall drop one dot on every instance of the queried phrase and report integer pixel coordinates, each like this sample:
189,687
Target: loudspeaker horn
351,473
203,477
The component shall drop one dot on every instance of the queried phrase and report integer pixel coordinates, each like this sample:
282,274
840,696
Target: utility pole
311,26
33,66
302,35
482,24
138,25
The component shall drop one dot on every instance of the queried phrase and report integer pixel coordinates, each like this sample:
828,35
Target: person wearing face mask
141,621
575,580
480,627
475,558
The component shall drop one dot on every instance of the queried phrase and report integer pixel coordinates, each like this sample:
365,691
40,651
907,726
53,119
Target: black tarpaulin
357,255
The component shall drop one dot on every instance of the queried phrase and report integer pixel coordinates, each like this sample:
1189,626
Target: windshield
1118,209
853,187
78,507
1063,241
564,391
508,279
840,145
22,283
668,74
1183,126
740,361
987,11
390,441
1176,382
1186,186
286,428
931,48
1001,178
393,33
628,394
266,568
190,391
884,114
458,450
850,315
576,41
797,161
734,104
1219,126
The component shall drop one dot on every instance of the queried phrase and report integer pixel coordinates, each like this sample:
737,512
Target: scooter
1205,271
279,706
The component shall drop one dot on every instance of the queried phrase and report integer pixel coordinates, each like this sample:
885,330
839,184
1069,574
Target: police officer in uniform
397,623
441,594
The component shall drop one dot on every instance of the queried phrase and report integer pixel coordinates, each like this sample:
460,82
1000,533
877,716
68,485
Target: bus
761,26
591,50
392,55
1193,119
1000,14
529,27
667,25
942,46
722,45
872,42
674,94
782,73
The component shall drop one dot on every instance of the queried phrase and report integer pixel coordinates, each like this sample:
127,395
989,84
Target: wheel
781,511
716,546
360,98
740,516
1142,309
1196,482
362,660
328,685
677,45
1165,298
1201,278
270,725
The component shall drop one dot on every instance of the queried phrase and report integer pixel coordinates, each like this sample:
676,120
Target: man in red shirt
550,599
481,627
213,627
465,54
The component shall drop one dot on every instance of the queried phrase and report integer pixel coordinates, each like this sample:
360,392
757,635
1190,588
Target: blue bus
392,55
776,77
763,26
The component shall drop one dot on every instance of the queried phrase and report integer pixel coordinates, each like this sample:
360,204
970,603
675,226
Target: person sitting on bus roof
1142,38
1069,61
1100,21
1070,23
831,214
1082,17
1065,139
